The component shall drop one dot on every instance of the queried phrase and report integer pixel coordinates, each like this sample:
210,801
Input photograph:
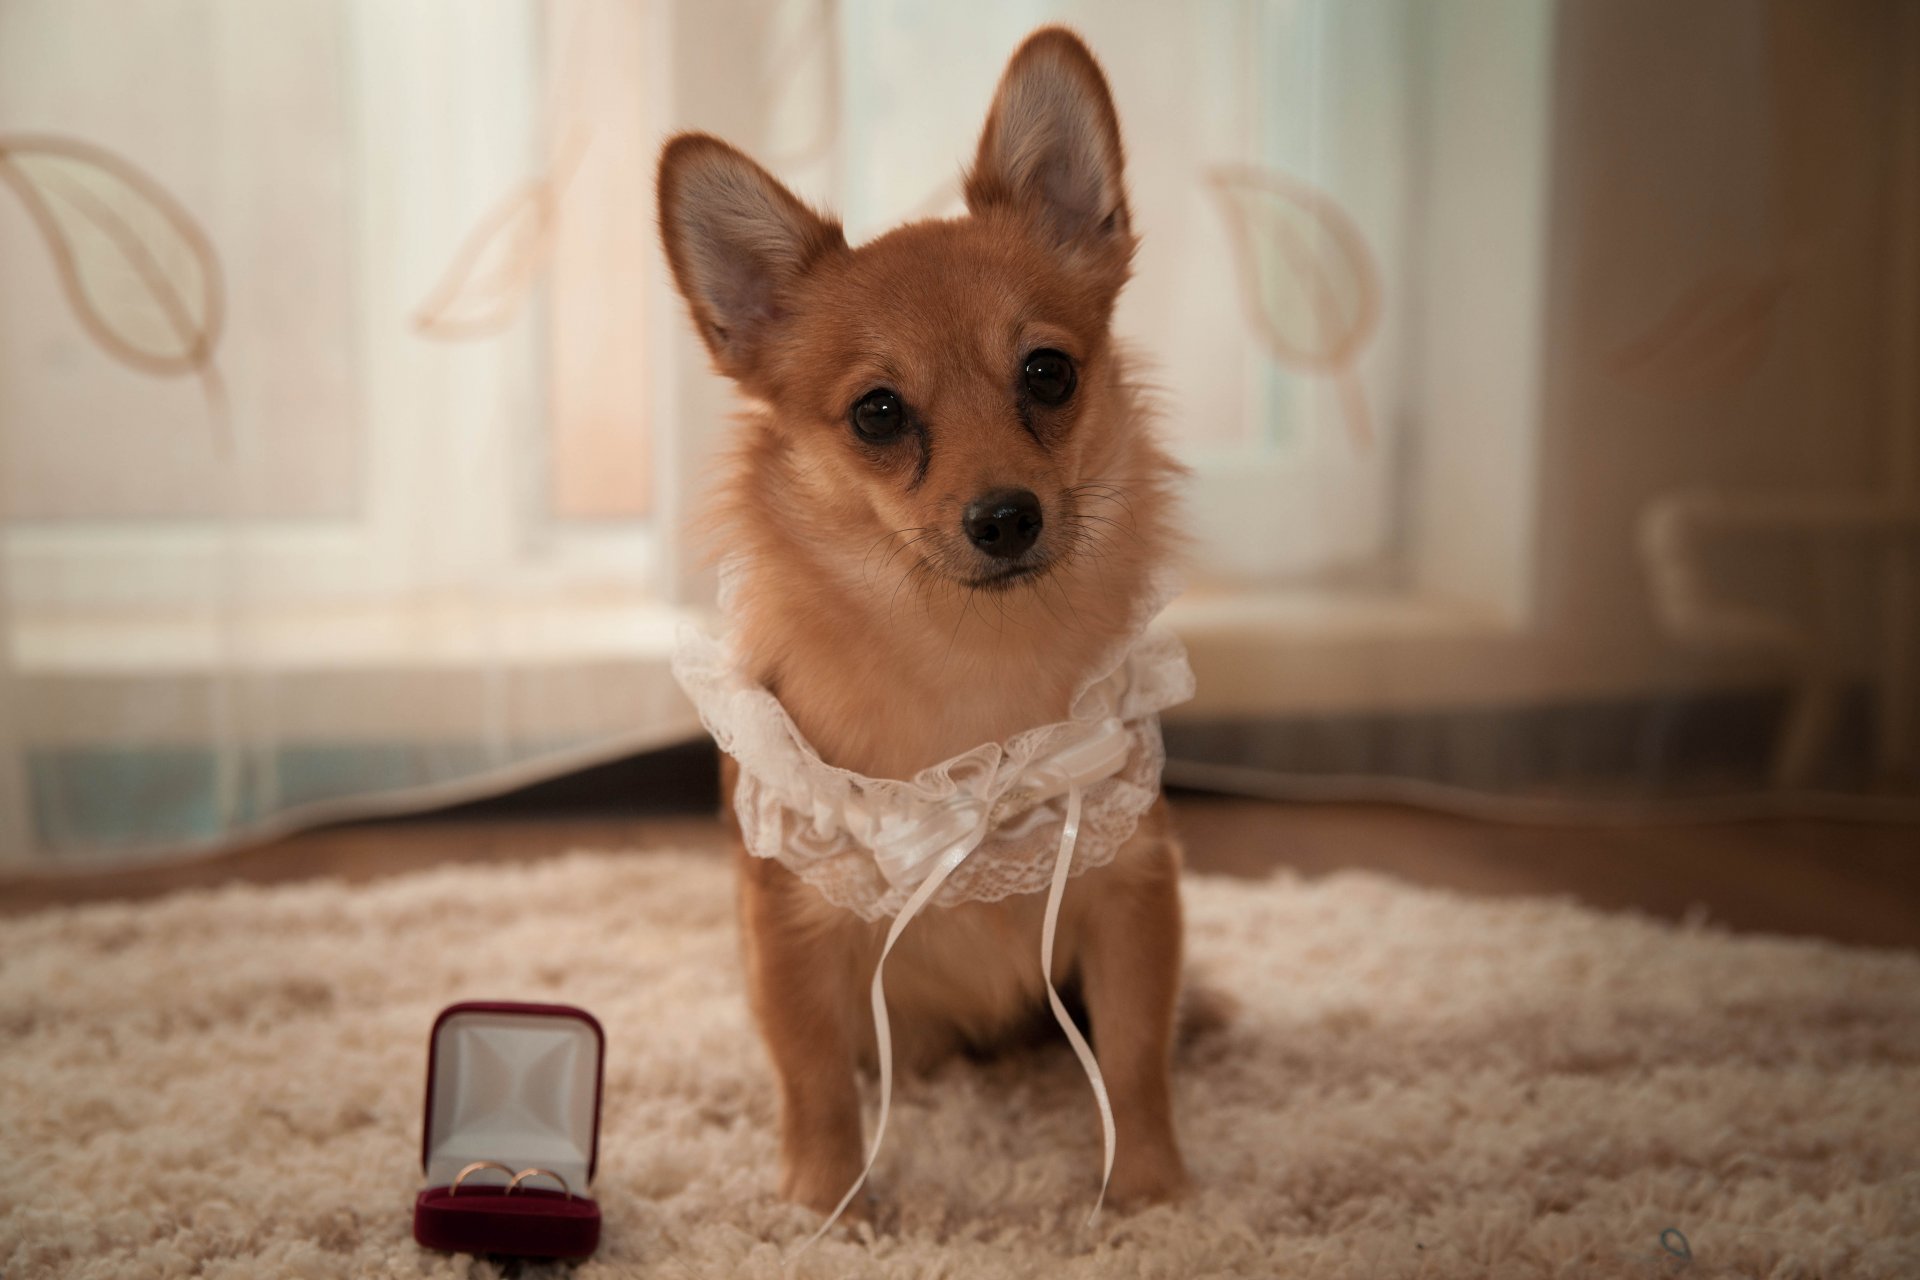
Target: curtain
327,461
1721,457
1547,372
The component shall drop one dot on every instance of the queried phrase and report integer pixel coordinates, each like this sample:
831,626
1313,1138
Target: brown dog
946,505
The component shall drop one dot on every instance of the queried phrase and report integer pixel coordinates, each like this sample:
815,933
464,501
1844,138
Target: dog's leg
797,981
1130,976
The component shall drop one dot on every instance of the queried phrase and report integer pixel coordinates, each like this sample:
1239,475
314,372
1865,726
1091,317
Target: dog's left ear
1051,147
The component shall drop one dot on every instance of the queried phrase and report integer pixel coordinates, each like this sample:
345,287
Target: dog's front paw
820,1190
1142,1183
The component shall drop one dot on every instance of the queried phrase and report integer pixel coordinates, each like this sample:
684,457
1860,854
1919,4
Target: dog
945,502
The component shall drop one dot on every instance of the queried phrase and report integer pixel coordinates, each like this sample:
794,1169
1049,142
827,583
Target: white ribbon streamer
883,1028
1063,864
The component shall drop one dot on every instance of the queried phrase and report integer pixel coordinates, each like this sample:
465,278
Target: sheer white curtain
1546,369
326,457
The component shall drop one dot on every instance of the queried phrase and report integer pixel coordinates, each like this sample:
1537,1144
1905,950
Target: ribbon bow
906,847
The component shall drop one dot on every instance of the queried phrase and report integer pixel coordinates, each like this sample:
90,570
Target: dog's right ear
736,240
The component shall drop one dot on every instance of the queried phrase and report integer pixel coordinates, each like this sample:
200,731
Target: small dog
945,505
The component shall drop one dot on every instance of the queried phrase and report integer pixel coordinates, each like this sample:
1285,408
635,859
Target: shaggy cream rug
228,1084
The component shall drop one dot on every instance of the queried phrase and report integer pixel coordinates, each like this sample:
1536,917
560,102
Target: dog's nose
1004,523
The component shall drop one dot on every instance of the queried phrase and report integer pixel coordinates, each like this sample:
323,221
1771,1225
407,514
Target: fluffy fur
891,638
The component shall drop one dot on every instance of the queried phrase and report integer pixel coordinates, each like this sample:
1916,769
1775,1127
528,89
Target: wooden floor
1857,883
1846,881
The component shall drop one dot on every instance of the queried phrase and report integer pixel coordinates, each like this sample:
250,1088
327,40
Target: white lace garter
1005,818
867,843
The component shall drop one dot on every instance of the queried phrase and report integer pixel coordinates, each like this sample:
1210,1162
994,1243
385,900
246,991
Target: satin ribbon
1101,754
1062,866
906,852
905,849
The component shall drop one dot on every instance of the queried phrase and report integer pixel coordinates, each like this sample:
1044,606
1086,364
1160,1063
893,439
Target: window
428,343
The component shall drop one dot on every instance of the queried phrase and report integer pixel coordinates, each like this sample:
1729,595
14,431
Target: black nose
1004,523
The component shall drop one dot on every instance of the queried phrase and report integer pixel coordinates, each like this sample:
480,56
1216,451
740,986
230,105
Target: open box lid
517,1083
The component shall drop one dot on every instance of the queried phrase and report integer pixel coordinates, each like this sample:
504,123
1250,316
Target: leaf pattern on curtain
806,48
1712,338
1308,279
139,271
496,265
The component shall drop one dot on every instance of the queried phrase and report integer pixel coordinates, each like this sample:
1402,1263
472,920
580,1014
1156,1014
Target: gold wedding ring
524,1174
475,1167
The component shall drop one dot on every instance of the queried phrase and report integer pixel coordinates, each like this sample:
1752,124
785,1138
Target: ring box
518,1084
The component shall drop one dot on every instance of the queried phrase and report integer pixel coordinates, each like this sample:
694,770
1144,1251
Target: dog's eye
1049,376
878,416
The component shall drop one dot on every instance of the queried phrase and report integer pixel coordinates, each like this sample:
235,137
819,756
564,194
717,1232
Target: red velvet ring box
520,1084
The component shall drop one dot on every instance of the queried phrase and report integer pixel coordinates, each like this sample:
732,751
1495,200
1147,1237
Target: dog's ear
1052,146
736,240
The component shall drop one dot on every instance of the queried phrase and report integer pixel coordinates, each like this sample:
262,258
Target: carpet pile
228,1084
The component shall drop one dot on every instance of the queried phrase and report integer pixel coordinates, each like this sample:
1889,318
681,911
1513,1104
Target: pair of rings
516,1178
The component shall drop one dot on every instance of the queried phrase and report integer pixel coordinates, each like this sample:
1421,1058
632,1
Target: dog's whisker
960,618
1041,595
893,598
919,532
973,604
920,537
1121,525
1105,491
1073,610
1086,543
